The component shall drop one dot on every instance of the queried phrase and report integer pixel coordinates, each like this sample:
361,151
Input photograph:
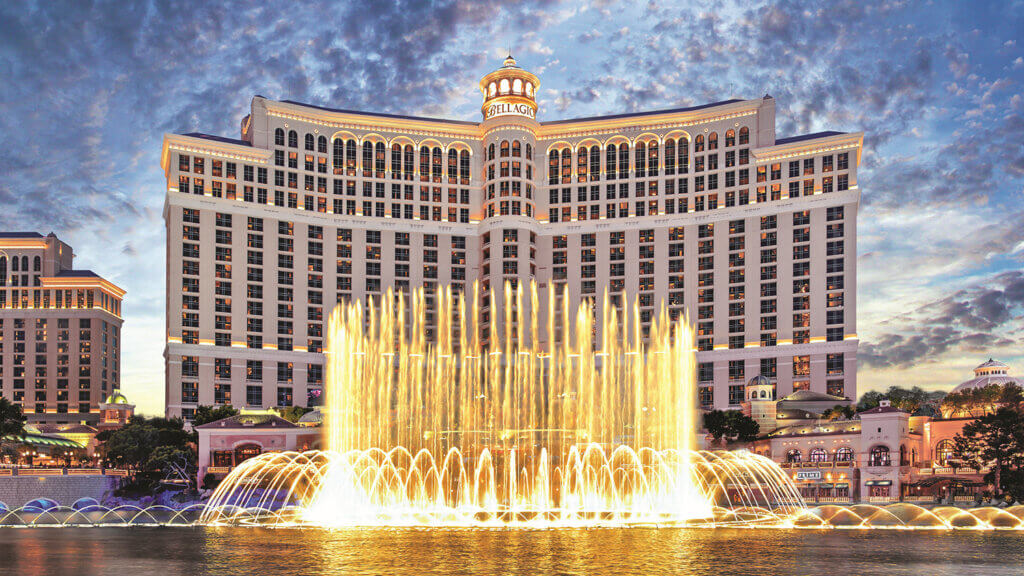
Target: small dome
314,417
510,62
759,380
116,398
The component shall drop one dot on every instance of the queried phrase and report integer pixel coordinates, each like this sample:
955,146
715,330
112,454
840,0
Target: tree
12,421
207,414
995,440
144,446
975,402
732,425
839,412
910,400
293,413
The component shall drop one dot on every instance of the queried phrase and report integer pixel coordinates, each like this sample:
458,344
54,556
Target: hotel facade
60,331
701,209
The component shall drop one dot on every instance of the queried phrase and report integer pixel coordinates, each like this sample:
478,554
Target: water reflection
232,550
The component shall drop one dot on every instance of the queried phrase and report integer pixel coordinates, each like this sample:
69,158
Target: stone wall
17,490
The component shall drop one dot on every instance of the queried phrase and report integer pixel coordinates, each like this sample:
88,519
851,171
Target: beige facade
701,208
60,331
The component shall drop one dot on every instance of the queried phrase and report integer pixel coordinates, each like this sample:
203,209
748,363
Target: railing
37,472
218,469
964,498
833,499
915,499
880,499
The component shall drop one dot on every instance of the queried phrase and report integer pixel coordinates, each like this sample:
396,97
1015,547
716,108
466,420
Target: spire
510,62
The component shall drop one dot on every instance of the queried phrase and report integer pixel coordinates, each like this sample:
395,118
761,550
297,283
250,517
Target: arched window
246,451
310,142
279,137
424,163
381,159
367,159
464,173
24,263
339,156
566,165
453,166
879,456
595,163
490,152
3,271
713,141
492,88
37,264
517,149
794,456
744,136
14,264
610,162
396,161
529,151
529,88
293,139
624,160
818,455
730,138
503,86
553,167
944,452
844,454
517,86
683,151
504,148
652,158
698,143
436,164
640,159
670,157
321,144
410,161
350,157
581,163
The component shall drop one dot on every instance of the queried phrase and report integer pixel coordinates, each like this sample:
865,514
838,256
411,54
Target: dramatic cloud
90,88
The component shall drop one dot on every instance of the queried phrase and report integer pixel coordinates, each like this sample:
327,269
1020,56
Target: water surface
146,551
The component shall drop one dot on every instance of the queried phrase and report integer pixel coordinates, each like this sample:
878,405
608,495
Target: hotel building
60,331
700,208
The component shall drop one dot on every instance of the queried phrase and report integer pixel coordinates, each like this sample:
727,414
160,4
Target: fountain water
507,429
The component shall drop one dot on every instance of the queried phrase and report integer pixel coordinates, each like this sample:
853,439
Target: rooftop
814,136
261,420
217,138
77,274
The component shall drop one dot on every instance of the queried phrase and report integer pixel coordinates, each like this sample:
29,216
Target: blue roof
20,235
381,114
217,138
650,113
77,274
816,135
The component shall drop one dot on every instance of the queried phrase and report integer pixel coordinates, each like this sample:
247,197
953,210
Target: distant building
230,441
60,331
881,455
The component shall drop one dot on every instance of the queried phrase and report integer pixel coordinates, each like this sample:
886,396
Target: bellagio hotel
700,208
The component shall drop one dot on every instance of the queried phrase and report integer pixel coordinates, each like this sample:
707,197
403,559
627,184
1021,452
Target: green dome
116,398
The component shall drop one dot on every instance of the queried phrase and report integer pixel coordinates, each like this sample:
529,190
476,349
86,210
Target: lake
167,551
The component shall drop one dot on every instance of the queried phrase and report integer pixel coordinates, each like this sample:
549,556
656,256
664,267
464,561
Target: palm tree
12,424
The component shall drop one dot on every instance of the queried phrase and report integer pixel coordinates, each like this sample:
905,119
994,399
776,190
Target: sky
90,88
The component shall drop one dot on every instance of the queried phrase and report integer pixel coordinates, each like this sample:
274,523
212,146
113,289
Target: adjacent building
60,331
699,208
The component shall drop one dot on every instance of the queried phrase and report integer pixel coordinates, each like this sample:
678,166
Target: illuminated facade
700,208
60,331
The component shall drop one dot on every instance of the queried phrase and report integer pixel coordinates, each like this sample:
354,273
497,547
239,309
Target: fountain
509,431
503,430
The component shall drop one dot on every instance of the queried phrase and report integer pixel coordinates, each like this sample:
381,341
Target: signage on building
510,109
808,475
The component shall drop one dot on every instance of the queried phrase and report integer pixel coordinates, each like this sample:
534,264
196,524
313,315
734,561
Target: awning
933,480
43,440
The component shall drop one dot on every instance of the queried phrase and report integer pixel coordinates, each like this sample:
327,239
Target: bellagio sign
510,109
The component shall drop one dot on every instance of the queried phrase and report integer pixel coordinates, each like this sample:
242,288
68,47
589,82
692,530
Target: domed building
987,374
115,411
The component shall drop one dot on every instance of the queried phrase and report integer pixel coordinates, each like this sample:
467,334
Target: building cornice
809,147
194,145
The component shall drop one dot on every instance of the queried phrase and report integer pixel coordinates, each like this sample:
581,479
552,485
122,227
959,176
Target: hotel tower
699,208
60,331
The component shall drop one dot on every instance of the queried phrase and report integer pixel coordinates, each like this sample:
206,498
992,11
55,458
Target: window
879,456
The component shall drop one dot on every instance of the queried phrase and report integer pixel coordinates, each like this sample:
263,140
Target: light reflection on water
233,550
